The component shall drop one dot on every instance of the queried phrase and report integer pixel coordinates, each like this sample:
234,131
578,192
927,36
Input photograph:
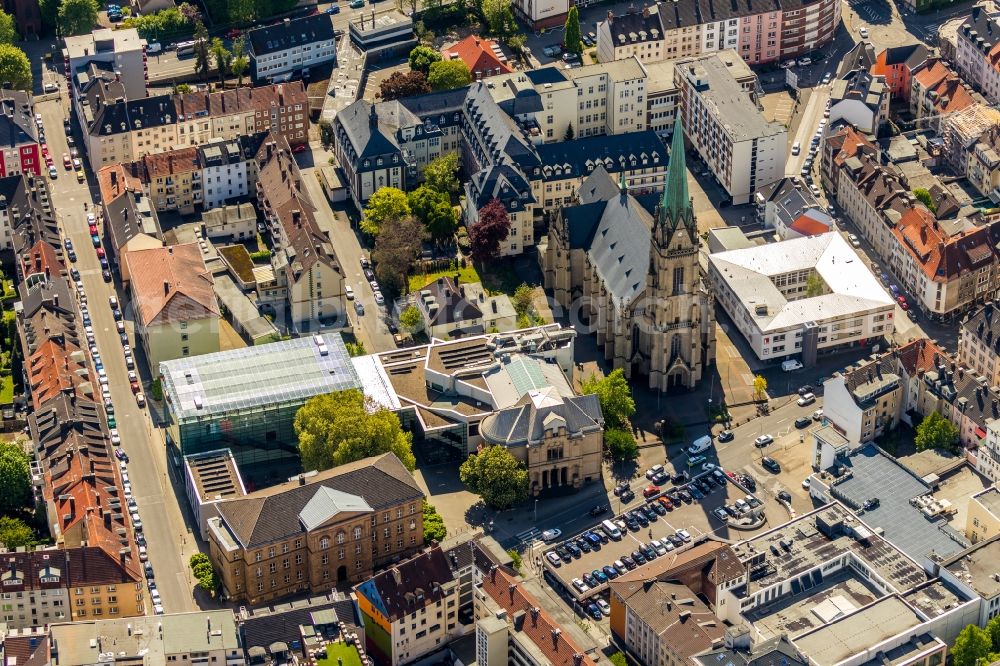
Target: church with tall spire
627,265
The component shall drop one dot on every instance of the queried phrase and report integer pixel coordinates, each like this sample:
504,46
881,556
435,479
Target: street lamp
536,511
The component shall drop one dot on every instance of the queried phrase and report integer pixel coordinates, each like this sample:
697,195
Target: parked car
726,436
802,422
551,535
770,464
806,399
763,441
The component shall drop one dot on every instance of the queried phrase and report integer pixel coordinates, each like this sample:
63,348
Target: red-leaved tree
486,234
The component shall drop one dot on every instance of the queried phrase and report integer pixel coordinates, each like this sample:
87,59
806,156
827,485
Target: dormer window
395,159
378,162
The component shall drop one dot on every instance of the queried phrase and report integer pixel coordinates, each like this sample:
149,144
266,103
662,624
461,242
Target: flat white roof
749,274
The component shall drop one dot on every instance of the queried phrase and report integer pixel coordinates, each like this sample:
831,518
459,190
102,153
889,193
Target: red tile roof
942,258
171,284
116,179
41,258
544,632
477,53
807,225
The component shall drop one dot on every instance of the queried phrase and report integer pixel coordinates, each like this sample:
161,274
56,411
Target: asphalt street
161,516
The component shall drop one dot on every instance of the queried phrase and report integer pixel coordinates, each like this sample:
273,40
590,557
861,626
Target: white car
708,467
854,240
379,298
806,399
551,535
552,557
143,556
604,606
805,483
818,415
653,471
349,293
580,585
863,31
763,440
684,535
115,438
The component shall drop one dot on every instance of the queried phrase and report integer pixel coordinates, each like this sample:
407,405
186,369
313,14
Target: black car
610,572
75,274
676,540
589,580
808,388
627,496
650,514
598,510
583,545
731,510
660,479
912,314
622,487
770,464
685,496
641,518
784,496
802,422
563,553
392,327
628,562
695,493
659,508
649,553
705,486
639,557
726,436
632,523
679,478
106,275
574,551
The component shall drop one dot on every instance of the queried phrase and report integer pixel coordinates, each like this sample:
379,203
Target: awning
980,433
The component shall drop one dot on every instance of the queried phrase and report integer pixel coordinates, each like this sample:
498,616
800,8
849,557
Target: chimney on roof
166,287
302,479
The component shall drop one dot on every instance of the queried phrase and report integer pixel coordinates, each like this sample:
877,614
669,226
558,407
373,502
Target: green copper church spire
676,202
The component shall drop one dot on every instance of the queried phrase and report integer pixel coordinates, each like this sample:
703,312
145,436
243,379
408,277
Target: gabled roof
290,33
328,503
171,284
271,514
408,587
479,55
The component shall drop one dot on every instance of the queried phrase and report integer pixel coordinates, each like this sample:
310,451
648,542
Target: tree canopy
924,196
15,480
422,57
386,204
572,32
615,396
496,476
434,209
344,426
441,174
621,445
434,528
8,30
449,74
499,17
15,69
971,645
77,16
486,235
410,318
759,387
163,24
14,533
936,432
396,248
403,84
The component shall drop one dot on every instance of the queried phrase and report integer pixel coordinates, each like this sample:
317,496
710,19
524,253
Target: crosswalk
528,535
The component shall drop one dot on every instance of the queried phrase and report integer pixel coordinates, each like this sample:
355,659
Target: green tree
615,396
202,60
198,558
621,445
326,135
523,299
386,204
449,74
515,559
77,16
971,645
517,42
422,57
240,62
924,196
355,349
441,174
396,248
222,57
936,432
344,426
496,476
993,629
49,10
15,480
15,69
8,30
618,659
486,234
15,533
204,573
434,209
815,285
759,387
434,528
499,17
568,136
410,318
183,89
572,31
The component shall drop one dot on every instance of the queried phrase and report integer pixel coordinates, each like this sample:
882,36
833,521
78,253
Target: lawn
348,655
465,275
6,390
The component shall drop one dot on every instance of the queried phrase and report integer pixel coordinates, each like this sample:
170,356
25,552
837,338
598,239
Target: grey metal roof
327,503
620,247
538,410
876,475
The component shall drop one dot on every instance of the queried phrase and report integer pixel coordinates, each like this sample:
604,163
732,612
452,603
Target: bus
186,48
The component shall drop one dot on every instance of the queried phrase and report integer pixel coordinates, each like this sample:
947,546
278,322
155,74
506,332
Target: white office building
278,52
799,296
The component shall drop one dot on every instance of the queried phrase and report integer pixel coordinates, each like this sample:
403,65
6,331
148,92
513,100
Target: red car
650,491
93,229
233,33
904,305
67,162
100,252
667,504
135,387
301,148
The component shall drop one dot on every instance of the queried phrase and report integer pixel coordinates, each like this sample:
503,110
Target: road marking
527,534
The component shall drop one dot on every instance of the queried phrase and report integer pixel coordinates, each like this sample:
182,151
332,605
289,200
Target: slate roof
497,133
984,324
908,54
617,152
860,58
17,125
620,246
777,651
539,410
281,622
271,514
504,182
371,136
453,306
138,114
290,33
405,588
